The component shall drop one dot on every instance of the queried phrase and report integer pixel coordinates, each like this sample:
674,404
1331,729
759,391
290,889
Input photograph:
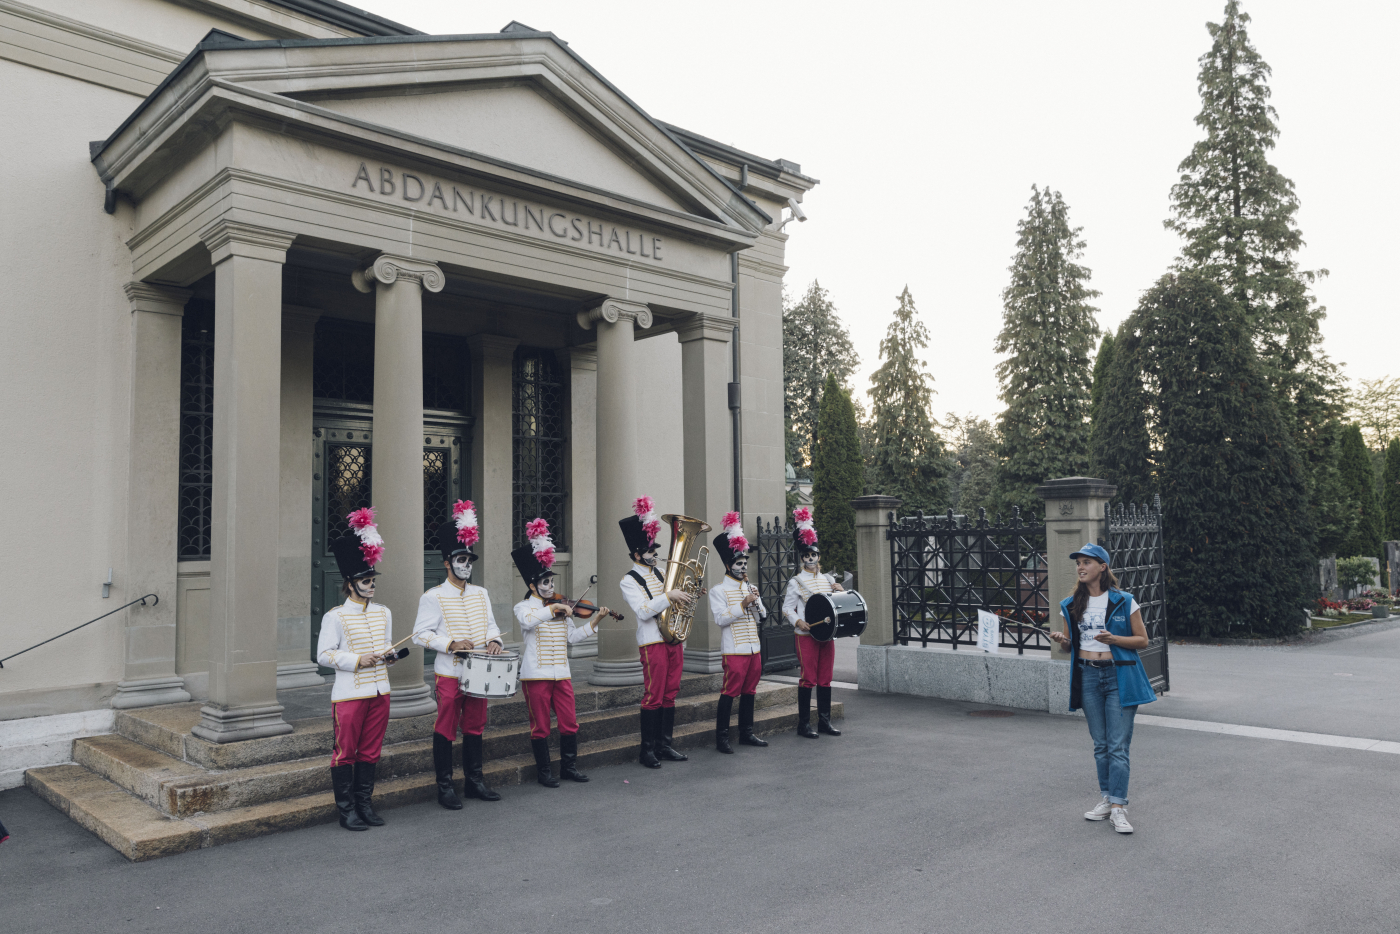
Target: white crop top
1094,621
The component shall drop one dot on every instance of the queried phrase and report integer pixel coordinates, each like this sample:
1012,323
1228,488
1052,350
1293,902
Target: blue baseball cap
1090,550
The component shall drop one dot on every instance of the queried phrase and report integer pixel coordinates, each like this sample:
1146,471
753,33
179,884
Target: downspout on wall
735,404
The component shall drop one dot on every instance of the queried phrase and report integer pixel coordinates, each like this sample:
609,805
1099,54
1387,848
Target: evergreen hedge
837,478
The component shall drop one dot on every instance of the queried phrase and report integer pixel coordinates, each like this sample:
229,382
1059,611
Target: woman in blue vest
1107,679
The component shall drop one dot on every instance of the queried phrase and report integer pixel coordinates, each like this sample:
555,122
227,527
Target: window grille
344,367
539,419
196,428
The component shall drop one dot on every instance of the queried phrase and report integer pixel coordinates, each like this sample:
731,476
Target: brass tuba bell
683,573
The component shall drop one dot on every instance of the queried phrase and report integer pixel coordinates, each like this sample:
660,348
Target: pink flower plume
738,544
802,514
461,506
808,536
536,527
651,528
545,557
731,519
361,518
372,553
469,536
643,505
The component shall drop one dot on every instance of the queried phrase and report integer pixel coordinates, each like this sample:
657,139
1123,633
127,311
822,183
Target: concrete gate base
1030,682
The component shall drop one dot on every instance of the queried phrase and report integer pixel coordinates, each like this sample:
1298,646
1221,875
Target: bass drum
483,675
835,615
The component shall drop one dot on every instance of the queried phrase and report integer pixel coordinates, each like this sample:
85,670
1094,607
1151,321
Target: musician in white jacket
736,610
456,616
355,638
817,658
549,629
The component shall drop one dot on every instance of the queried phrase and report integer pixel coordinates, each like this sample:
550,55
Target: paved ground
919,819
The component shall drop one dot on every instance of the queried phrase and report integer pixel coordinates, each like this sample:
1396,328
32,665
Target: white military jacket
547,640
646,607
347,632
738,628
446,614
799,589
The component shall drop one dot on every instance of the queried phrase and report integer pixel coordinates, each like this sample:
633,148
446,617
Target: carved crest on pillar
613,310
389,269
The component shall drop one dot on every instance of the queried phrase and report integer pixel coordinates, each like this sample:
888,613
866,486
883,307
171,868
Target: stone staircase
152,789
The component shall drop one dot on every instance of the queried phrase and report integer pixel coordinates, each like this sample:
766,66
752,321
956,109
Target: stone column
708,446
619,477
244,518
295,666
873,571
581,463
397,456
152,497
493,465
1074,515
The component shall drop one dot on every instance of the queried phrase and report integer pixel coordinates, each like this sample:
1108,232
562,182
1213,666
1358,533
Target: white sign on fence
988,631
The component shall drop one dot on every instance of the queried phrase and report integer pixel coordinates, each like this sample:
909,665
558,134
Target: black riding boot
722,711
342,784
364,790
442,765
568,757
667,718
543,775
804,714
471,769
824,712
647,756
746,722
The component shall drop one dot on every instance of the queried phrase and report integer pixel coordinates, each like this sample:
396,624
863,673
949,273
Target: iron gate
945,569
1134,540
776,565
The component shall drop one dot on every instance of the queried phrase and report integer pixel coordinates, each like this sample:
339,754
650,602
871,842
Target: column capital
157,299
613,310
226,238
389,268
701,326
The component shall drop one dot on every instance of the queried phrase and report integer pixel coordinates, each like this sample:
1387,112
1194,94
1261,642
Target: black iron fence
946,568
776,563
1134,540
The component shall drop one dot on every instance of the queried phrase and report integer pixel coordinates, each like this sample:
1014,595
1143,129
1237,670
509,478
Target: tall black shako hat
730,544
535,559
459,535
357,554
804,535
640,528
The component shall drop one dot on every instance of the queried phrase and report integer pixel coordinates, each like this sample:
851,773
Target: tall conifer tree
838,477
1122,450
906,453
1359,478
815,344
1390,494
1048,328
1103,361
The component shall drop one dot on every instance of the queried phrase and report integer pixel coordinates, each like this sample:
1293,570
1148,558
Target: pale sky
927,123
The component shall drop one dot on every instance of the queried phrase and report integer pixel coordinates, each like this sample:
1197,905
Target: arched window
538,431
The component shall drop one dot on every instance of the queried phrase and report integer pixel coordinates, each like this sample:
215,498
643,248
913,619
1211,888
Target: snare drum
834,615
483,675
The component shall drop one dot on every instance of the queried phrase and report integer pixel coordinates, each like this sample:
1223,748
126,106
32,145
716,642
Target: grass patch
1319,622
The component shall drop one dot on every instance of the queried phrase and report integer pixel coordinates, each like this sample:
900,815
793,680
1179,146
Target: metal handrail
140,600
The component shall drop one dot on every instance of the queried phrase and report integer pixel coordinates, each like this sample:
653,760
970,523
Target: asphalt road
919,819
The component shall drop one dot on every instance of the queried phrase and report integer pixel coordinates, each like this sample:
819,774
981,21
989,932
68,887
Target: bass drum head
851,619
821,616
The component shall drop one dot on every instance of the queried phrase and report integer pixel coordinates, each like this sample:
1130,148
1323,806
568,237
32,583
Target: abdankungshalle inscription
488,208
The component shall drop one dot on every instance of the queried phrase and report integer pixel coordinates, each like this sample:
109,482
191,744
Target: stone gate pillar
873,578
1074,514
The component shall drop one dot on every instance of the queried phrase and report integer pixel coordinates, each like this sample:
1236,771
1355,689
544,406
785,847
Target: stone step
183,789
139,831
167,728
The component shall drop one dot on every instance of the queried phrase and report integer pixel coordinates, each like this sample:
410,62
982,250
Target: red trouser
661,669
542,695
359,729
817,659
741,674
457,710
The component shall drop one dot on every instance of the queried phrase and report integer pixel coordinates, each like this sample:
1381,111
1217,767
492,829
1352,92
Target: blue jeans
1111,727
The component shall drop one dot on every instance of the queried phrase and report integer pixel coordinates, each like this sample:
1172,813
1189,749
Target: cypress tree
1103,361
1334,514
906,453
1121,449
1359,479
1048,328
837,477
1237,534
1390,493
815,343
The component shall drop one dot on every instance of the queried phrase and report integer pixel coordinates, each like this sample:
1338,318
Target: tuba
683,573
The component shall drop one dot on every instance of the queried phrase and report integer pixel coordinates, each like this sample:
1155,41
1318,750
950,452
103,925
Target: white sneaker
1100,810
1120,820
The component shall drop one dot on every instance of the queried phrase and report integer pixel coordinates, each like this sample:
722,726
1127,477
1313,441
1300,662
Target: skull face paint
740,567
811,561
462,567
649,558
545,586
363,588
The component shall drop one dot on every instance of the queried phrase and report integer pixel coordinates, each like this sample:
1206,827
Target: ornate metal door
776,565
1135,541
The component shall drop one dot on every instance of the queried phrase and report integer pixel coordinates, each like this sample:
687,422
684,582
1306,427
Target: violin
581,608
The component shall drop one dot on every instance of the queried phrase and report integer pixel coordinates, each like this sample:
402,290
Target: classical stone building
272,260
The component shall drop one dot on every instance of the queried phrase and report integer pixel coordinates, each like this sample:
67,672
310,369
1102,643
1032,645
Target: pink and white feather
645,510
537,531
464,516
806,533
733,526
361,521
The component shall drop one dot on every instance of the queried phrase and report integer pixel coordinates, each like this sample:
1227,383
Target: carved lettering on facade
539,220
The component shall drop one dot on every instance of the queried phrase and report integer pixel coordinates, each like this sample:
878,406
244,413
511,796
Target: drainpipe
734,400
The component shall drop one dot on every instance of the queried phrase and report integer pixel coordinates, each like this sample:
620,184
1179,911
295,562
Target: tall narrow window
196,429
539,428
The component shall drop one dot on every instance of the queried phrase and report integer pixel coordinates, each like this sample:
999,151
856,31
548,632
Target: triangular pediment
512,122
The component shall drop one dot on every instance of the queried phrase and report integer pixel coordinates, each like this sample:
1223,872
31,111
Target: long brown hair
1107,582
